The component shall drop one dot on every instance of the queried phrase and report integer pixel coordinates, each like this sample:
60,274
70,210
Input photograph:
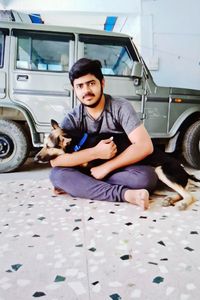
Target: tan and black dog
169,170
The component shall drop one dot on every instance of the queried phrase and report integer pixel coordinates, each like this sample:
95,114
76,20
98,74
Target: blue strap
81,143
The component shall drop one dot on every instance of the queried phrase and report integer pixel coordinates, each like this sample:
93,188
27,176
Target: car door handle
22,77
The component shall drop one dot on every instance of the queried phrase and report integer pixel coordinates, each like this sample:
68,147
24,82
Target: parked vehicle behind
34,88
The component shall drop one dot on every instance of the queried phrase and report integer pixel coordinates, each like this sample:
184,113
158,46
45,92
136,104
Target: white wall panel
172,41
97,6
167,32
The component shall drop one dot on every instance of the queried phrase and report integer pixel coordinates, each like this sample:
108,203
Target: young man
118,177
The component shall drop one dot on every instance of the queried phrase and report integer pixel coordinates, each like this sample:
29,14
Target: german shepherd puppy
169,170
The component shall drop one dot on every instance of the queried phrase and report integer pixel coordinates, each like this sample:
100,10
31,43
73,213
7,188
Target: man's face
89,90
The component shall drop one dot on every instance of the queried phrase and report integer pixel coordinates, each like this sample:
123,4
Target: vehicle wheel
14,146
191,145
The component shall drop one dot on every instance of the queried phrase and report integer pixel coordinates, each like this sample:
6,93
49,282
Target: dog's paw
166,201
182,205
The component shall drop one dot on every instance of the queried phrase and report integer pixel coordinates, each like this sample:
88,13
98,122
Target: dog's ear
54,124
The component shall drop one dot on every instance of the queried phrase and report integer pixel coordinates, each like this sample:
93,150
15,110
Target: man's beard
97,102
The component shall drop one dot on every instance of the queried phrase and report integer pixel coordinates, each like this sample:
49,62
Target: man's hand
105,149
100,172
57,161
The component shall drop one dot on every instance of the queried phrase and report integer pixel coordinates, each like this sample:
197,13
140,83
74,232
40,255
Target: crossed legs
131,184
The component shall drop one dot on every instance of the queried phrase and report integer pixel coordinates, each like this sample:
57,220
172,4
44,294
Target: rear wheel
191,145
14,146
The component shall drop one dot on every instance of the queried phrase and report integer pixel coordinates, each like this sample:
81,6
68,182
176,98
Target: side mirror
137,70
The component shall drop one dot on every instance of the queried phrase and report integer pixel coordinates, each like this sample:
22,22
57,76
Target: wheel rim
6,146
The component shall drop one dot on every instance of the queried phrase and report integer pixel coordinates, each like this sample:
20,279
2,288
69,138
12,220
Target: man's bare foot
58,191
138,197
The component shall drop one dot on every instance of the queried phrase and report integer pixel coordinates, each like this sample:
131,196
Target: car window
115,57
2,38
42,52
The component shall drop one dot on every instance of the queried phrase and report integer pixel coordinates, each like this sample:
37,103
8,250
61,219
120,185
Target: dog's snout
36,158
54,145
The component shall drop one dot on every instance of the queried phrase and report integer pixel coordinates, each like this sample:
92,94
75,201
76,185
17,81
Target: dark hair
85,66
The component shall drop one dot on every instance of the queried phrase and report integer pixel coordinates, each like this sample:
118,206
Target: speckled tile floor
65,248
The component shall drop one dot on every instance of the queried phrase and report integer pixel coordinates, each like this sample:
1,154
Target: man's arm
140,148
105,149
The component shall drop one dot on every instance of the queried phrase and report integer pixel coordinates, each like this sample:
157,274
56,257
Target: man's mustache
88,94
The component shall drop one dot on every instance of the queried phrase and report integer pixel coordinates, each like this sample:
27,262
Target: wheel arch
185,125
22,117
181,125
190,145
188,117
14,145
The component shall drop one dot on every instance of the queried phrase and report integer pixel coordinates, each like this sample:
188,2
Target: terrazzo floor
59,247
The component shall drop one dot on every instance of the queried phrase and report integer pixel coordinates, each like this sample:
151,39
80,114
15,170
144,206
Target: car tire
191,145
14,146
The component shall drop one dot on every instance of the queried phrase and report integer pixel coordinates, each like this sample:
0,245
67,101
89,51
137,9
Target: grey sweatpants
78,184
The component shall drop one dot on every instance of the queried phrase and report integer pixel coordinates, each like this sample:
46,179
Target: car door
39,81
3,61
156,110
117,57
